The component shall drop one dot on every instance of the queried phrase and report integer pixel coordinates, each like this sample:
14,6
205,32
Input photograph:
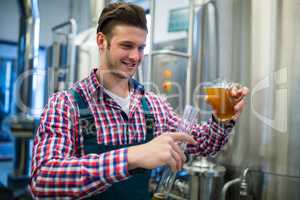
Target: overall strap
149,118
86,118
83,106
85,112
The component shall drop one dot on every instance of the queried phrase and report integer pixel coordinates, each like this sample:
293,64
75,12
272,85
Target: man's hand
238,95
160,151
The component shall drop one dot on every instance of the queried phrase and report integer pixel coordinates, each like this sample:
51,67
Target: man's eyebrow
132,43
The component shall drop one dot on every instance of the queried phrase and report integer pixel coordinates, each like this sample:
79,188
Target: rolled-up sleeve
211,135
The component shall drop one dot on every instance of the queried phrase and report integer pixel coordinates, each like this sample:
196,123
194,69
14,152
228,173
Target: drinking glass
168,177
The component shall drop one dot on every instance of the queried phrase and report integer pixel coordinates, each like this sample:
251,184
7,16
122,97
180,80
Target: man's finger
176,156
183,137
241,92
234,91
179,151
172,164
244,91
239,106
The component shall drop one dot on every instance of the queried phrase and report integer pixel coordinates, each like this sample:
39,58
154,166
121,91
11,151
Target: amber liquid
159,196
221,103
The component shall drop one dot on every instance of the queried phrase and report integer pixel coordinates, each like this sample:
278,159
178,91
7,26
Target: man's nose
134,54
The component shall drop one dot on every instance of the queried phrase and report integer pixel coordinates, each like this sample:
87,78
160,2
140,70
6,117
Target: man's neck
113,83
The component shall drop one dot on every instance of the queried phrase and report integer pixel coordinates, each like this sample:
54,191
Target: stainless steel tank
259,46
205,181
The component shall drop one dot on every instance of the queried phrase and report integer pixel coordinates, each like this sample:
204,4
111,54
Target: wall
162,9
9,20
51,13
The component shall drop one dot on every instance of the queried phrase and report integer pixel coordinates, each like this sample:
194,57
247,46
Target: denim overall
134,188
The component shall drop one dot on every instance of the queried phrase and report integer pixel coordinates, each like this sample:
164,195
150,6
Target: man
96,139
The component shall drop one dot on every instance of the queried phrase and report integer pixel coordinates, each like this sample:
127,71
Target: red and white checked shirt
60,171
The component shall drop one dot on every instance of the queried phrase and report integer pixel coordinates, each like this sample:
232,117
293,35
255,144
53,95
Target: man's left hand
238,95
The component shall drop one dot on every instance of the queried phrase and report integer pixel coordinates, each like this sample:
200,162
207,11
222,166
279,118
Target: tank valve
244,195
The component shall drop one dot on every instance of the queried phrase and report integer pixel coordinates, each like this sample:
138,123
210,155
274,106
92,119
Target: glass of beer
218,96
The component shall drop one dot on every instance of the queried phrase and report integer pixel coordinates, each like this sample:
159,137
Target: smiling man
101,138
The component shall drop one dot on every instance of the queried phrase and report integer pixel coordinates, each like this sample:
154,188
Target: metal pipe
151,41
190,51
28,53
70,63
213,22
71,22
208,51
71,51
227,185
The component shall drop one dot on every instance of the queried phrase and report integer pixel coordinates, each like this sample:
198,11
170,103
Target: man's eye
127,46
141,48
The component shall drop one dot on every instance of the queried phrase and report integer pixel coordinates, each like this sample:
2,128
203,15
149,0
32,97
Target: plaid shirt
60,170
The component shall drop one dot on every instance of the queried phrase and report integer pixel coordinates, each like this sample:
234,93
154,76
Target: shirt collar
138,87
94,86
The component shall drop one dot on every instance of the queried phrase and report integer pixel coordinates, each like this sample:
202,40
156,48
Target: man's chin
123,75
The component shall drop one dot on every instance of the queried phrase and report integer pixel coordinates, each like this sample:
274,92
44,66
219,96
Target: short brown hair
121,14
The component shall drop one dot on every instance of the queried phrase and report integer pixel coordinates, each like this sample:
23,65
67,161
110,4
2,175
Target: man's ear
101,41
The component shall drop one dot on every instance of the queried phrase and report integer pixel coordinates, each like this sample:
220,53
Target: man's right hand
162,150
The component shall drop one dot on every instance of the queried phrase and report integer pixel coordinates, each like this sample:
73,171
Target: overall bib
134,188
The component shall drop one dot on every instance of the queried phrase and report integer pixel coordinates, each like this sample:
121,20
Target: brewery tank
258,46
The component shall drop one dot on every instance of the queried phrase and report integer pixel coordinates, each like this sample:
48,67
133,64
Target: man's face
125,51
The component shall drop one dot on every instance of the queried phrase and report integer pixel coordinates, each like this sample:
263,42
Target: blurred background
45,46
